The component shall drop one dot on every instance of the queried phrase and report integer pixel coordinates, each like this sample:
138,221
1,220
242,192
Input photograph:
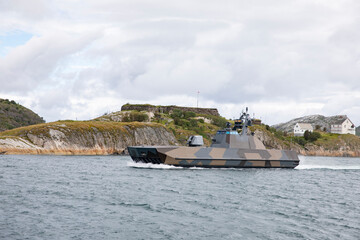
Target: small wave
151,165
327,167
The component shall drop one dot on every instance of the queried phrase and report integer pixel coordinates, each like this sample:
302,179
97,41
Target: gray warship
229,149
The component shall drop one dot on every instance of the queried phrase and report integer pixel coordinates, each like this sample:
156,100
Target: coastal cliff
86,138
113,132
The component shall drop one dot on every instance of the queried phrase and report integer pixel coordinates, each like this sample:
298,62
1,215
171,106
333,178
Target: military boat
230,148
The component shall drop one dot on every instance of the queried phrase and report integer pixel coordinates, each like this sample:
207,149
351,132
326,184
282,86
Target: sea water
110,197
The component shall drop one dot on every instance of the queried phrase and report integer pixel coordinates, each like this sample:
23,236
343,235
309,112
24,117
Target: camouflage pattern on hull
210,157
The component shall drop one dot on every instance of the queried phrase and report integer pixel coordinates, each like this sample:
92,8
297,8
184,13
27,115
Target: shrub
177,113
188,115
219,121
193,123
311,136
177,121
279,134
300,140
314,136
272,129
135,117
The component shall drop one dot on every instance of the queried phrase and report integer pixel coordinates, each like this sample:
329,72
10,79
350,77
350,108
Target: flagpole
197,99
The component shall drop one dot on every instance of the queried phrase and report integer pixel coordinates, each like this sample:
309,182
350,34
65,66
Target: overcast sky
73,59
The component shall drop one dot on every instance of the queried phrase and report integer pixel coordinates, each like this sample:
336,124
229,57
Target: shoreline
123,152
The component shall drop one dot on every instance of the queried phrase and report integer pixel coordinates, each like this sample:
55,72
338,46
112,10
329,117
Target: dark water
108,197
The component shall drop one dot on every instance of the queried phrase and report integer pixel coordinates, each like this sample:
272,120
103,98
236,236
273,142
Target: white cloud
281,58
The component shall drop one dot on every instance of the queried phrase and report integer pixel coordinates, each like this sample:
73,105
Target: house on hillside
300,128
342,125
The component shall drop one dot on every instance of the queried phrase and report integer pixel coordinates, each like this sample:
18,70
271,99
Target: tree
307,134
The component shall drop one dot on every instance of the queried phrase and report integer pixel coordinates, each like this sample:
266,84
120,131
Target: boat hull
209,157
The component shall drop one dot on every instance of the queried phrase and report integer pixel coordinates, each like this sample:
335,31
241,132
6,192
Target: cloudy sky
74,59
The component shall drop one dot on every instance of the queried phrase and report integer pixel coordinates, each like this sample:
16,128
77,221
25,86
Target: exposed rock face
342,151
168,109
64,139
120,116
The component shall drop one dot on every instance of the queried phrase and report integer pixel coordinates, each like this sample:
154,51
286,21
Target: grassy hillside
13,115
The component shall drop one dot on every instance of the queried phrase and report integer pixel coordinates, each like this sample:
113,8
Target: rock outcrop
90,137
168,109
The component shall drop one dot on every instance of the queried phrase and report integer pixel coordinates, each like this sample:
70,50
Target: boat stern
147,154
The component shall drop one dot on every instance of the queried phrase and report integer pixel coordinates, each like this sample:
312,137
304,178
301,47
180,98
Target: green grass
332,141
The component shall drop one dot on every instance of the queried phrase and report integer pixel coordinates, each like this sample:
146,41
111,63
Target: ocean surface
109,197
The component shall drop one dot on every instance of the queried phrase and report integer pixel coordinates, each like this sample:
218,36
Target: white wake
327,167
151,165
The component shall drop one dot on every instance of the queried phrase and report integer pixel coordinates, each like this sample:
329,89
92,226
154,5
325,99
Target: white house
342,125
300,128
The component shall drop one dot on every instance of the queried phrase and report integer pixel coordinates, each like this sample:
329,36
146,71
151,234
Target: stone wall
168,109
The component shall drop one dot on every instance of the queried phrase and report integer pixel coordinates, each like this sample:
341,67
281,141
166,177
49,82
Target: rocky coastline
85,138
104,138
112,134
